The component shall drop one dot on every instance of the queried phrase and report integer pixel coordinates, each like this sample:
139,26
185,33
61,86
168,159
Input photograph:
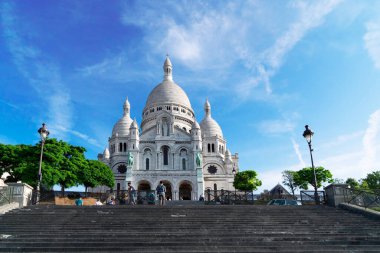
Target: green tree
373,180
61,163
305,177
20,161
288,180
353,183
96,174
246,180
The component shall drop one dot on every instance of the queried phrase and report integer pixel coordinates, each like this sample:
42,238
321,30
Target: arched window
184,164
125,147
147,164
208,148
166,155
120,147
213,148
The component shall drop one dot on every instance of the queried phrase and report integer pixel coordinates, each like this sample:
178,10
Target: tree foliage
20,161
246,180
96,174
288,180
373,180
352,183
305,177
62,164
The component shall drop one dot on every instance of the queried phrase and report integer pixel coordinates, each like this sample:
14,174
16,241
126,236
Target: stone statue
198,160
130,159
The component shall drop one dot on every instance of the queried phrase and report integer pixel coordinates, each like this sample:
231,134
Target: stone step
187,229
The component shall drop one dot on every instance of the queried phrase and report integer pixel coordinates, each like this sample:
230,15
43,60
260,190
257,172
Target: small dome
209,126
106,153
121,128
134,124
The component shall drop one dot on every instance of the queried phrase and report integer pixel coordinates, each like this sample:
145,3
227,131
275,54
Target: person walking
131,194
161,189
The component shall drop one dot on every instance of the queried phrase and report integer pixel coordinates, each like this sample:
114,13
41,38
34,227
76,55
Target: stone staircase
187,229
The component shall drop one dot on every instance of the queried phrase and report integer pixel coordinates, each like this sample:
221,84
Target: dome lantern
207,108
168,69
126,107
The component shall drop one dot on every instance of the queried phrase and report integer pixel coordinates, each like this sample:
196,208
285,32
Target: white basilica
170,146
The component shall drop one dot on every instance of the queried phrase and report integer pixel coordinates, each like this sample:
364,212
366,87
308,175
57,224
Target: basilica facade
170,146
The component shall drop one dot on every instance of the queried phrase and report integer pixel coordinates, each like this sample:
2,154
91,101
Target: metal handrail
362,197
311,198
5,195
225,197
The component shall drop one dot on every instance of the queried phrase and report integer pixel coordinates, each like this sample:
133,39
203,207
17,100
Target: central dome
167,92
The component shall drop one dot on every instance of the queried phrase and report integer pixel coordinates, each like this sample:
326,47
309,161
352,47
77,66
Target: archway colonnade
184,190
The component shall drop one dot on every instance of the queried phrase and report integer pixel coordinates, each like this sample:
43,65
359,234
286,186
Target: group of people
132,193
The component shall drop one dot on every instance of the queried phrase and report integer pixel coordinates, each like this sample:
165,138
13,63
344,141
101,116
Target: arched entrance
168,193
185,191
144,186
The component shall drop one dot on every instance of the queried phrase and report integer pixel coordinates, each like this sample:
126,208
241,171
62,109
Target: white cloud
296,148
83,136
205,37
212,37
286,124
342,139
43,76
370,141
276,126
372,41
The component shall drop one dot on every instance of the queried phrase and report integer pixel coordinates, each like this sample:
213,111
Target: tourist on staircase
161,189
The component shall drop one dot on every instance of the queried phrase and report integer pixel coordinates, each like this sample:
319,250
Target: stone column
200,183
128,176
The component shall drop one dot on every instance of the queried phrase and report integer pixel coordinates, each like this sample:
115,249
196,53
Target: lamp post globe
308,135
44,133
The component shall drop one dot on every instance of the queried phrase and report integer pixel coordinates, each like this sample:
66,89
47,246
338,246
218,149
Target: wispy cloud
275,126
296,148
370,140
286,124
9,104
43,75
205,37
80,135
372,41
357,160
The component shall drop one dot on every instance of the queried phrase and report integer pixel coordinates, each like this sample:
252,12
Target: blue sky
267,67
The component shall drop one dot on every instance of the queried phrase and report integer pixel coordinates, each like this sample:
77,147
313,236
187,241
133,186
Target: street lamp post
234,172
44,133
308,135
